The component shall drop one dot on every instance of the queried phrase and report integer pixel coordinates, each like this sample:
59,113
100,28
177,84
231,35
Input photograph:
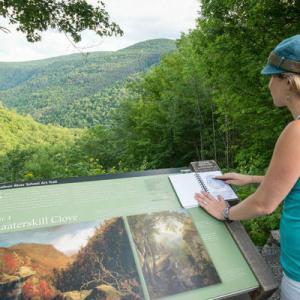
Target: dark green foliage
72,17
237,37
47,161
259,229
98,143
168,120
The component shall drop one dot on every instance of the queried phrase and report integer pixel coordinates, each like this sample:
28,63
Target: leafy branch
69,16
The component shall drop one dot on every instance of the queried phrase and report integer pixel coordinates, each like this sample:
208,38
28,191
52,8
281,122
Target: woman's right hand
235,178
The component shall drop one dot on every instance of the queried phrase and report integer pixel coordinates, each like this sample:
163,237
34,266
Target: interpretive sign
114,238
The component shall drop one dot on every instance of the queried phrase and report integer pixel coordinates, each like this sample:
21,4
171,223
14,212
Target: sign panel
124,238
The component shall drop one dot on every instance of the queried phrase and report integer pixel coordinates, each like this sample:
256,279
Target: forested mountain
22,132
29,150
74,90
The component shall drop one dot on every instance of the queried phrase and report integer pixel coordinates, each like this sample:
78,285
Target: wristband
226,212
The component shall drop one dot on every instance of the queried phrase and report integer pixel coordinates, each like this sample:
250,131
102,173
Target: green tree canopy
70,16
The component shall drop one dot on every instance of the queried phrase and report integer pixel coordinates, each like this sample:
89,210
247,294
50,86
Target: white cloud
140,20
70,243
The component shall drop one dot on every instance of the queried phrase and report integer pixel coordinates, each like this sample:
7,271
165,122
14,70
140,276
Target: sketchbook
186,185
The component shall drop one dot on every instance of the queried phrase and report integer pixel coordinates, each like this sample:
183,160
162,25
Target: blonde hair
293,80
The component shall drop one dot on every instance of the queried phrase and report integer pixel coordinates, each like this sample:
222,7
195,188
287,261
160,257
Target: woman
282,179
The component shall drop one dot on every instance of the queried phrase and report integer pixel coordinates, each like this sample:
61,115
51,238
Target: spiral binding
203,185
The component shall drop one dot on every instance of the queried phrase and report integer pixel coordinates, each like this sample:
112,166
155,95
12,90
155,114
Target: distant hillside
23,131
44,263
26,271
32,255
73,90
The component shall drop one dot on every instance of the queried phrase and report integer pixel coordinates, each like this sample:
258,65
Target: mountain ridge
133,46
68,90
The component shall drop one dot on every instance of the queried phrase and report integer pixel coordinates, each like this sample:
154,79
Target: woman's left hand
214,206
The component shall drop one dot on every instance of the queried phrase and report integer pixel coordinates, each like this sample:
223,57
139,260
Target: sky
139,19
65,238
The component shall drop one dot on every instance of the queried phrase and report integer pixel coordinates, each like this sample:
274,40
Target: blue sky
140,20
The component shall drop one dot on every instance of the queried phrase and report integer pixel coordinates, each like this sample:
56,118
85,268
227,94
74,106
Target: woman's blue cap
284,58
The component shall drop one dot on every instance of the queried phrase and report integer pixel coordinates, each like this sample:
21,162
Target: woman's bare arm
257,178
282,174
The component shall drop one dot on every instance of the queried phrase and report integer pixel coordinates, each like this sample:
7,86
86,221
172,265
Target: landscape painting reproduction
171,253
91,261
